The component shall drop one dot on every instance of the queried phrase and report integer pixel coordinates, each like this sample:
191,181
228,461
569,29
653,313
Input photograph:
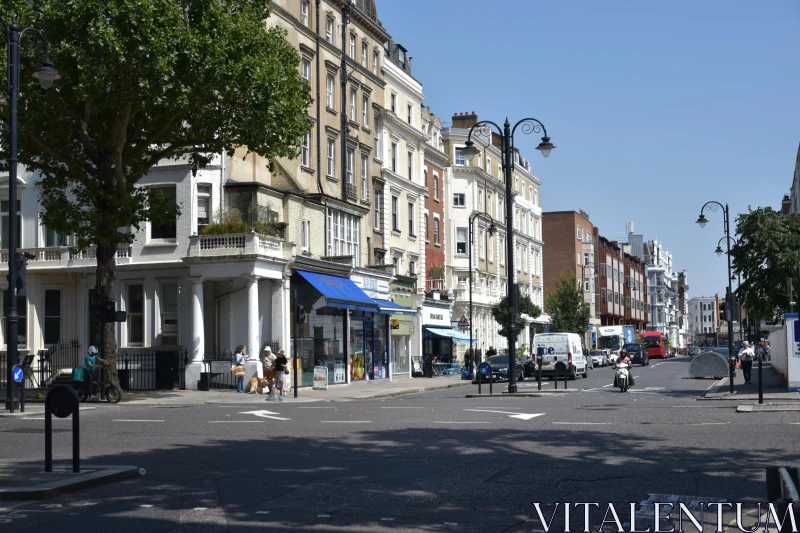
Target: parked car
500,368
694,350
637,352
599,357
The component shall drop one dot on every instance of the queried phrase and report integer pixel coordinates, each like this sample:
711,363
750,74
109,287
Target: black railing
149,369
63,356
217,373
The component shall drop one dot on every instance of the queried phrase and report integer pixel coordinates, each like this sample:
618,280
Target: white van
564,347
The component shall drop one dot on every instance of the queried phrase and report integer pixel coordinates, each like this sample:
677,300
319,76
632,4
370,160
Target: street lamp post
719,253
469,151
46,75
492,229
583,288
702,221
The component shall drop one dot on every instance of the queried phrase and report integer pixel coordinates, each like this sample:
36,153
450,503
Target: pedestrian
269,368
240,358
281,370
746,356
91,364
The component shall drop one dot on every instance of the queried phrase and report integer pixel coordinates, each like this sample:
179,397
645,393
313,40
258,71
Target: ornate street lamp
492,230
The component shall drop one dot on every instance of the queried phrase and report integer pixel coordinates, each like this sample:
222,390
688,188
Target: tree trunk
106,275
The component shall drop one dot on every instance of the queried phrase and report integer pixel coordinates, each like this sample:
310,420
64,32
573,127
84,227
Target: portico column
195,365
253,333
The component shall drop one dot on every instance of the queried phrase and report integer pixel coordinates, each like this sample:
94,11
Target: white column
195,366
254,367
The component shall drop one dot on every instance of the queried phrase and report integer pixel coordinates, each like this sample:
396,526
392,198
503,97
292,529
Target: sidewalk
774,388
30,482
361,390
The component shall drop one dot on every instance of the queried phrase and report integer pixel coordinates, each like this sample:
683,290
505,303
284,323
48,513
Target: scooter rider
624,359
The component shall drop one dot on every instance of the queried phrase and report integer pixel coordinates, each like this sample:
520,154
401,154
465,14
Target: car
637,352
561,350
695,350
499,365
598,357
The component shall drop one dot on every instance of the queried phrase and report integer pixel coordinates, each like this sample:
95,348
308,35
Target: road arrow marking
264,414
521,416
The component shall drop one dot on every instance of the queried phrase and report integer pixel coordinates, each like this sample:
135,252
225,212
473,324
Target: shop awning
339,292
388,307
453,334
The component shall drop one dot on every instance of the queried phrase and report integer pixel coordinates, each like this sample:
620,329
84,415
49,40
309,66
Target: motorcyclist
624,359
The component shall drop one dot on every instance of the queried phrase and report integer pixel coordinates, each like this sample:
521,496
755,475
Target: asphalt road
428,462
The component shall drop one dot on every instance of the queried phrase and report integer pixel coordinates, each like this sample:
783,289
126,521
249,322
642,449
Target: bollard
539,361
61,401
760,382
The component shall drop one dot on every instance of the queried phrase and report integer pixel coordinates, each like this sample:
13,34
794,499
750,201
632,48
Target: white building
703,315
663,285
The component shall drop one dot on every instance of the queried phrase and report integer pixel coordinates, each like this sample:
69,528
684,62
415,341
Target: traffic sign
486,369
18,374
464,322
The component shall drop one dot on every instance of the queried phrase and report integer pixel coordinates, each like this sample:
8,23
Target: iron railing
149,369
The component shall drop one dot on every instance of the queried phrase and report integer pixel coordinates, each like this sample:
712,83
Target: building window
53,238
435,186
460,160
364,49
412,268
435,230
375,53
169,314
22,325
535,197
395,221
304,12
488,165
410,114
167,230
364,185
305,236
135,309
203,206
411,219
490,248
480,199
351,161
393,103
427,228
353,96
425,177
306,70
394,157
502,250
365,111
329,84
461,240
305,150
459,199
331,158
353,45
481,238
52,316
4,224
329,34
378,209
343,235
603,295
411,166
579,232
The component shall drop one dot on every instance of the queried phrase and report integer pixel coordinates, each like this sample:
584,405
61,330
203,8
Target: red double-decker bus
656,344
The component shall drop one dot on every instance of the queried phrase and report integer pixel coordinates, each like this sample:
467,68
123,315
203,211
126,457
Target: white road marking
263,413
200,508
236,422
710,424
500,406
655,365
262,512
446,422
521,416
609,385
346,421
387,519
583,423
317,408
132,420
451,523
403,407
51,505
145,505
323,516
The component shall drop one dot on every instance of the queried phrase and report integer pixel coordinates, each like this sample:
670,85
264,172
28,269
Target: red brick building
621,287
433,180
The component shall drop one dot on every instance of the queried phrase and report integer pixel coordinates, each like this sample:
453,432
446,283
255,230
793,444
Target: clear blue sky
655,107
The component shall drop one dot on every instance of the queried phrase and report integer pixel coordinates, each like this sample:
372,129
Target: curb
406,392
17,414
107,474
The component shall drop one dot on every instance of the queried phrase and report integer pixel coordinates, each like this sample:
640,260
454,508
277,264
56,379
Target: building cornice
403,126
435,156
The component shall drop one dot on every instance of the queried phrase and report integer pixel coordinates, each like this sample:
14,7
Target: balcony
239,244
61,256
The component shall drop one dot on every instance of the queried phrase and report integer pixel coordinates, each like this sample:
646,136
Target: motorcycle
622,377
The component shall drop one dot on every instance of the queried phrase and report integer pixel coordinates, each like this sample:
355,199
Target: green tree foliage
767,254
501,315
569,313
143,81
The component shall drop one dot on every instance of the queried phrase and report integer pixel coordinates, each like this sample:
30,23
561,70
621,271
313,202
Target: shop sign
339,373
435,316
401,324
320,377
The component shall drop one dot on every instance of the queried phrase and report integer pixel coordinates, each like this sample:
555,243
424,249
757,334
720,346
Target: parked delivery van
564,347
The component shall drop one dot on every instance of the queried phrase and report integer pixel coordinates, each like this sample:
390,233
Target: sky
655,107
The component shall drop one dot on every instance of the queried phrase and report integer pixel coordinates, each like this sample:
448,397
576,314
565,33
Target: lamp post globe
702,221
469,151
46,75
719,251
545,147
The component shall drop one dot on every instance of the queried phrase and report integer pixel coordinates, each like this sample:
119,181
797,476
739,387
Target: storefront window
358,359
319,343
380,369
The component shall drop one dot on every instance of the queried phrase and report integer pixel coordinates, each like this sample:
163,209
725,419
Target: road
428,462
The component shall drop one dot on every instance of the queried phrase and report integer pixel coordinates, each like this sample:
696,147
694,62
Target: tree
143,81
569,313
767,253
500,313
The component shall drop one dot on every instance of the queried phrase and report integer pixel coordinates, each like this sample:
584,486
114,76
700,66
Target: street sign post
464,322
18,373
486,370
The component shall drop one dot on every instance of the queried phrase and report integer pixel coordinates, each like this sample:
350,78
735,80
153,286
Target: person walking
269,368
746,356
240,358
281,370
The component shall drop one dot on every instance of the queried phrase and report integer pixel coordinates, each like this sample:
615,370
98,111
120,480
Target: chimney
786,204
465,120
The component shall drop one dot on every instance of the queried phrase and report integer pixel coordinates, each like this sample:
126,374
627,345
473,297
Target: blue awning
388,307
339,292
453,334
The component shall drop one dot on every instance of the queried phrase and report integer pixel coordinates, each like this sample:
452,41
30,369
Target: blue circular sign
18,374
486,369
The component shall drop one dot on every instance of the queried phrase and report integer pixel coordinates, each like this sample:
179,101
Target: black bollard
61,401
760,382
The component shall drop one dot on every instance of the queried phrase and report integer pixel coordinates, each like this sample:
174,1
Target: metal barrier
217,372
782,489
152,369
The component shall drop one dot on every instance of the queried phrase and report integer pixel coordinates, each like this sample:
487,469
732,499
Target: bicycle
102,388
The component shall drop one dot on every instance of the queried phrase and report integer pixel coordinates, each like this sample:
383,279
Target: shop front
369,335
402,325
435,316
332,326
